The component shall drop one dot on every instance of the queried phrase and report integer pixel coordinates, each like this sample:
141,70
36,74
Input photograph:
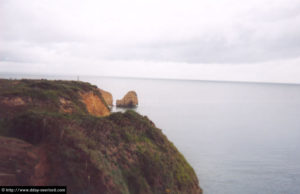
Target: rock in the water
129,100
107,97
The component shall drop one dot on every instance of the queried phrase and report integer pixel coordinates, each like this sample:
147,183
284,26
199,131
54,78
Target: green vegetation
48,93
120,153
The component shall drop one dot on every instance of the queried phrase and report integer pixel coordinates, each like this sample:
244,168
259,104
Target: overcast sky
245,40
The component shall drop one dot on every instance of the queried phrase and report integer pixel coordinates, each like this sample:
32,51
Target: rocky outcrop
118,153
107,97
65,105
129,100
17,101
94,104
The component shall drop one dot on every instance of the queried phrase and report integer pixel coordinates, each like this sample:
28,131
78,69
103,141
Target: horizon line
145,78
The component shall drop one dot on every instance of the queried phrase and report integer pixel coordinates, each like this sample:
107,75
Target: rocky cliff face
107,97
48,136
94,104
17,161
129,100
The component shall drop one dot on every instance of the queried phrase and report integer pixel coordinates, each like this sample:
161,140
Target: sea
240,138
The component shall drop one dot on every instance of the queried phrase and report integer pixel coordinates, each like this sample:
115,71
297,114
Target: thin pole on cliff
78,78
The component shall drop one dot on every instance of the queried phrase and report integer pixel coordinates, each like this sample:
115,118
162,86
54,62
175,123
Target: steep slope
107,97
43,144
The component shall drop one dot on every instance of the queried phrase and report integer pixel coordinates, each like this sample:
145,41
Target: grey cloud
217,49
48,31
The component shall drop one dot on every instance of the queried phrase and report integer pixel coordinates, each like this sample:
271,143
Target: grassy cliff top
118,153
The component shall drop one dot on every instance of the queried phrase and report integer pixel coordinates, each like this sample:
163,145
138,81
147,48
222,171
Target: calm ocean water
240,138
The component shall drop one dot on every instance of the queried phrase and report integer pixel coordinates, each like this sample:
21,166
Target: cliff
107,97
51,135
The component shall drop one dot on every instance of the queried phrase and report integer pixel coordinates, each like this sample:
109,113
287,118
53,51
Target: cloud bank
216,40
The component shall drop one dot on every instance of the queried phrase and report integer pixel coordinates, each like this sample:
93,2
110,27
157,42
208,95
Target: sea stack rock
129,100
107,97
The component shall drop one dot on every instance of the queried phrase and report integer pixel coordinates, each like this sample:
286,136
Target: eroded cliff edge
54,133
